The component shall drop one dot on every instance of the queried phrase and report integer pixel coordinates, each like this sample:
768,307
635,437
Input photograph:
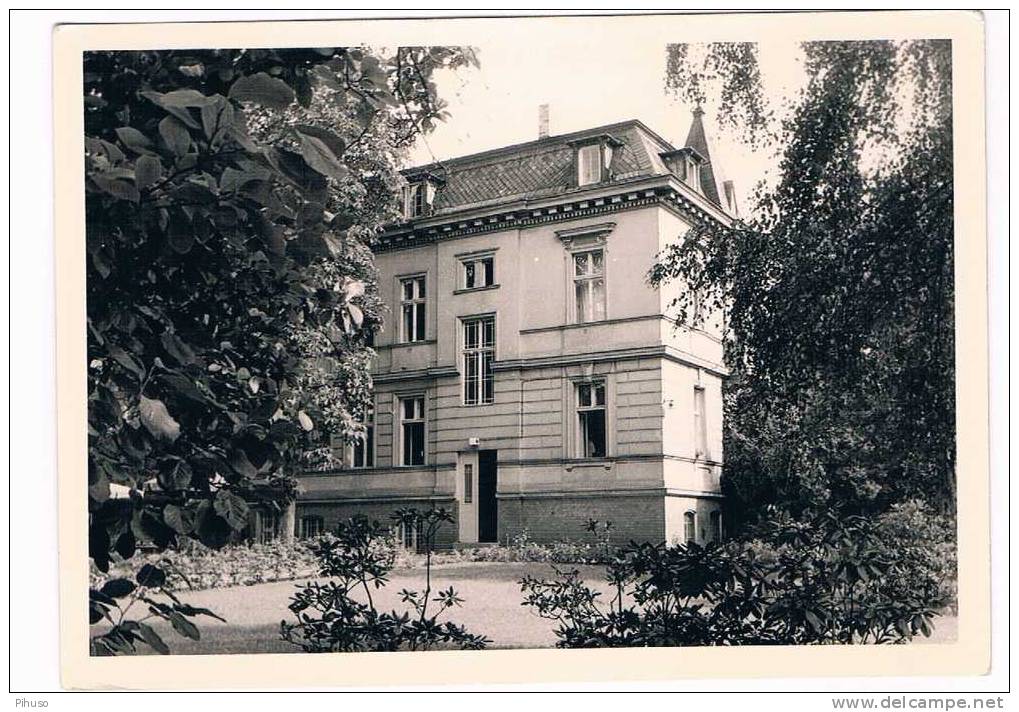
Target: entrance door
487,506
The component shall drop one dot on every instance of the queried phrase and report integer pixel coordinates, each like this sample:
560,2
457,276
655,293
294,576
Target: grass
492,607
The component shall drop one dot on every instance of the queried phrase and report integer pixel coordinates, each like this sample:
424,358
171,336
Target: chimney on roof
543,121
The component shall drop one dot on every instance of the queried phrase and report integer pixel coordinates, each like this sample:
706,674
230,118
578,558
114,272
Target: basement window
311,527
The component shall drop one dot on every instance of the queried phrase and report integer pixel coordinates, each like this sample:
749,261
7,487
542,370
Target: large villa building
529,379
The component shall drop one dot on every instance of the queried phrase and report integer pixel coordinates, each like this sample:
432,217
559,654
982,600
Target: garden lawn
491,607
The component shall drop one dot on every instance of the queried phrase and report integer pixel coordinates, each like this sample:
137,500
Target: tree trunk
288,527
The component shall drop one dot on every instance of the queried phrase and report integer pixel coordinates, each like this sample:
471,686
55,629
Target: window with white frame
412,305
418,199
692,173
412,430
478,354
589,285
312,526
363,450
690,526
477,272
589,168
591,419
700,423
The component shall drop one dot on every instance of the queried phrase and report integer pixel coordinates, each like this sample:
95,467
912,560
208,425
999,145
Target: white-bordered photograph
390,337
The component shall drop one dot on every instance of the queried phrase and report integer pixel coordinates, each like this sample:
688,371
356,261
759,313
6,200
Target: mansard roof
545,168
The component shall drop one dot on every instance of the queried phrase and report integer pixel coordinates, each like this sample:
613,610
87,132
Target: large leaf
147,171
117,588
175,135
157,420
186,98
150,576
262,89
183,626
321,158
151,637
134,139
335,143
179,519
232,508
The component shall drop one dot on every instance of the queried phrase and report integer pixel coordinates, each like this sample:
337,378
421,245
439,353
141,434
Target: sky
587,85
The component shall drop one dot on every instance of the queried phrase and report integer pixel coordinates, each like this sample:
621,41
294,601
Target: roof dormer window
589,165
685,164
419,194
418,200
594,158
692,173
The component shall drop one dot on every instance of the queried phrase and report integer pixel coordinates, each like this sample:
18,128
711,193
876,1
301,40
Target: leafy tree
838,285
231,199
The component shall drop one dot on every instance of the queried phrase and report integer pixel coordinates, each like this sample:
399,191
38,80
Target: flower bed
195,567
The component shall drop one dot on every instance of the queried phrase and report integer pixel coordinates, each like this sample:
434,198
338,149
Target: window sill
466,290
405,344
585,462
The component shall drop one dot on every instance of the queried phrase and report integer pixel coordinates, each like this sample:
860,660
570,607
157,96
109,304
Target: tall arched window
690,526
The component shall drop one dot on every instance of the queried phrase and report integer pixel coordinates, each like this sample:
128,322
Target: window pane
690,526
592,428
584,395
470,334
599,394
488,381
470,379
489,332
420,287
468,483
700,425
597,299
596,262
358,459
582,303
489,266
580,263
469,275
408,290
589,165
408,322
414,443
419,333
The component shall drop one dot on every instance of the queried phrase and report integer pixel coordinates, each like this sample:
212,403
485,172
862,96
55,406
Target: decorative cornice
520,215
601,230
659,351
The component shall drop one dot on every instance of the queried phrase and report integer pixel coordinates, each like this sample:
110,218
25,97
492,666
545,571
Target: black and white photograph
576,342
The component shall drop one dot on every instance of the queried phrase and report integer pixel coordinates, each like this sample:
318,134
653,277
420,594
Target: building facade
529,379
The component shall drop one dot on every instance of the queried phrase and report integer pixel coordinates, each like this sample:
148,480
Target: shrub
110,603
357,562
832,580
